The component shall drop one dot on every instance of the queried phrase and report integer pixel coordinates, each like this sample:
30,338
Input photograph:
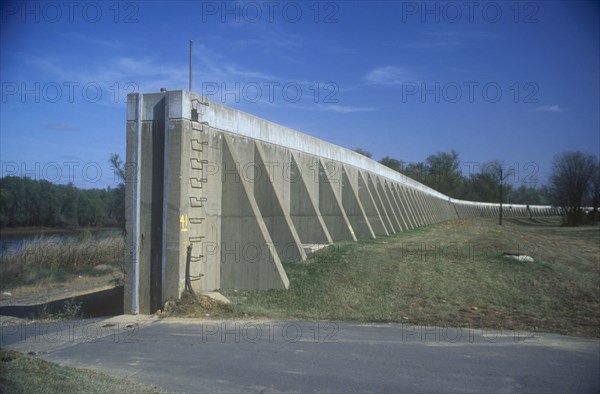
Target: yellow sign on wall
184,220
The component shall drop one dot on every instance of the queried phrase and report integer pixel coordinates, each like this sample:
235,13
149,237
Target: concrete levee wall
247,194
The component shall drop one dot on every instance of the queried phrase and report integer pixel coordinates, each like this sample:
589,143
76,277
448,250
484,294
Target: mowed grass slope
449,274
20,373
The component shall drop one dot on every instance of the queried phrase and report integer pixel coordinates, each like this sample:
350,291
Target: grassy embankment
24,374
449,274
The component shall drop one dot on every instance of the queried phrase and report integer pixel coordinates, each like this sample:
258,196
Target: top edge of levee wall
181,103
241,123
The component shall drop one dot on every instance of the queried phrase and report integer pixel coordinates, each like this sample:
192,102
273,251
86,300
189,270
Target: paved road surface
268,356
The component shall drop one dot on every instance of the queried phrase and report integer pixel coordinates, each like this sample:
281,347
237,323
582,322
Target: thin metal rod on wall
190,85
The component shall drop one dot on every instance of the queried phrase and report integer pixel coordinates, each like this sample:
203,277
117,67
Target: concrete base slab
312,248
216,296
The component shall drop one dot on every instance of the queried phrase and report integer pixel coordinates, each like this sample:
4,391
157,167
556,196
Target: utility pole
190,85
501,182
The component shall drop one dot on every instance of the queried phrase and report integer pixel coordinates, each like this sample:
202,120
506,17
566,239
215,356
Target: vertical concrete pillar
304,205
368,201
154,188
405,194
387,204
352,205
404,207
330,204
274,210
417,205
249,258
379,202
395,206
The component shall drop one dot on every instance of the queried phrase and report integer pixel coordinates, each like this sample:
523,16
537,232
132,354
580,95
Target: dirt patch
188,307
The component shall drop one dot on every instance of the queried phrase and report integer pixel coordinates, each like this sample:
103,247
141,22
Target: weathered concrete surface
247,194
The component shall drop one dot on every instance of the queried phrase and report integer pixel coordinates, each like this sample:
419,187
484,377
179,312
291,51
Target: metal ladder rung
197,202
201,128
205,103
198,145
196,183
198,164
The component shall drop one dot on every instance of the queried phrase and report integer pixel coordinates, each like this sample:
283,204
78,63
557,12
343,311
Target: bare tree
118,166
595,192
499,173
571,182
119,196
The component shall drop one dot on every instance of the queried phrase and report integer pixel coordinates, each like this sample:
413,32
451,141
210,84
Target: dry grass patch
50,259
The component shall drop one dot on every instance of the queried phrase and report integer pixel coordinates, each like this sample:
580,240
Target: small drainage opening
102,303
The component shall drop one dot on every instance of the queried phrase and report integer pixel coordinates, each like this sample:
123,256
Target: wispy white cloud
70,157
549,108
343,109
387,75
63,127
115,77
268,37
448,39
48,65
245,43
214,75
93,40
336,108
438,43
235,70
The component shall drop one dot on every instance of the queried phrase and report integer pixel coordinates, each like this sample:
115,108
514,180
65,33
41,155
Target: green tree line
443,172
575,183
28,202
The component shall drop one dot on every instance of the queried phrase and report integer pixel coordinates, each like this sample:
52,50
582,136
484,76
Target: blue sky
493,80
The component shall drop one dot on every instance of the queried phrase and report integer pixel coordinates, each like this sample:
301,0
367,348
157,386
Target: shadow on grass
538,222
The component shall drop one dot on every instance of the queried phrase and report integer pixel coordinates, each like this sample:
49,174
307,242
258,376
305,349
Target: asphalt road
268,356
